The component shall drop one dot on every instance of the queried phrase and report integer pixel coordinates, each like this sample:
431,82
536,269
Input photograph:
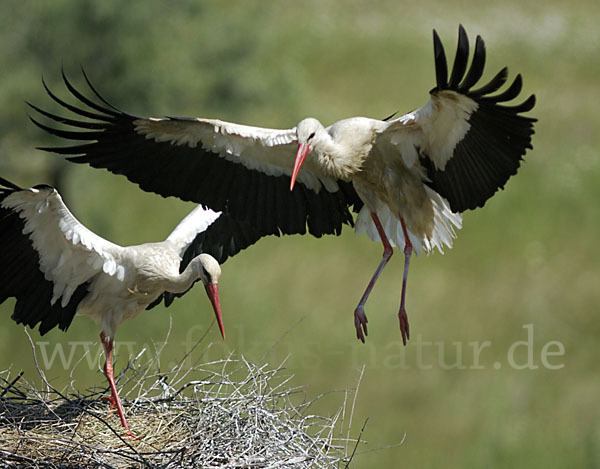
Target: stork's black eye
311,136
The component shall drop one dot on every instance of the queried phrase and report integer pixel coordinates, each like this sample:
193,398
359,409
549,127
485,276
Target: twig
11,384
362,371
277,342
357,442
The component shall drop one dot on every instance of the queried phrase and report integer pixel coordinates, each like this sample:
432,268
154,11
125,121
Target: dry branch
233,414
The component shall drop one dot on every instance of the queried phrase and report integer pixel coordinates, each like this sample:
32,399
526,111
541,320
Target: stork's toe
360,323
404,327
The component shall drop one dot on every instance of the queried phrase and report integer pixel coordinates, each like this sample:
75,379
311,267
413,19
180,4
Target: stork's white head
209,272
307,129
307,132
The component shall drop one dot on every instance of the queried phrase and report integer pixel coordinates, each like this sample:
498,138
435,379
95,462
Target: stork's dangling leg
402,316
108,371
360,318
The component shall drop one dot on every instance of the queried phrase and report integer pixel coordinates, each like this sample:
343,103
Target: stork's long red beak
212,290
300,156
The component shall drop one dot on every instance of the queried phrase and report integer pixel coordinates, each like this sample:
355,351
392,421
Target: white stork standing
409,178
55,267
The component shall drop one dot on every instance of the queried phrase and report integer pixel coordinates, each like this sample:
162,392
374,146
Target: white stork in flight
408,178
55,268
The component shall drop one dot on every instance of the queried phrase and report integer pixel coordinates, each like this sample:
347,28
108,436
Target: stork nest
236,415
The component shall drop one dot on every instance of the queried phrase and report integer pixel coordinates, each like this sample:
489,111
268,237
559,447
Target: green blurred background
524,268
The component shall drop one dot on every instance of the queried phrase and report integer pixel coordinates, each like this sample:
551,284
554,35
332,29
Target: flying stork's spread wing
467,141
47,257
239,170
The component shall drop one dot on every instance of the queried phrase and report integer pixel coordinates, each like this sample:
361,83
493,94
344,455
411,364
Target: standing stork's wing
47,257
468,143
224,238
239,170
195,222
188,239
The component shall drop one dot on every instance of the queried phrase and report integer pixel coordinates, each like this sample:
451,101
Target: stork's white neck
203,267
183,281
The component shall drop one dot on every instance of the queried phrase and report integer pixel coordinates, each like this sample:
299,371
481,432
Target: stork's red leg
402,316
108,371
360,318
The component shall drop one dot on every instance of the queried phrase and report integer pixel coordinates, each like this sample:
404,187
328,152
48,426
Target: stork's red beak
212,290
300,156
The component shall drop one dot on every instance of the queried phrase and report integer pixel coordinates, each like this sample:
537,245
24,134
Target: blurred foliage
529,257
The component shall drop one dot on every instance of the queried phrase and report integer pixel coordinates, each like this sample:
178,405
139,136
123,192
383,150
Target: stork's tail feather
445,224
445,221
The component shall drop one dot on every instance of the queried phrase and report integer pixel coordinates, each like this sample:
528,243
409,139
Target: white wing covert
69,253
197,221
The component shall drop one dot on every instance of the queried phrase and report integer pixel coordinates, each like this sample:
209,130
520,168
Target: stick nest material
236,415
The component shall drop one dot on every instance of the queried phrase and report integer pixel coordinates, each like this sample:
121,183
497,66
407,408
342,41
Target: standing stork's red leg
108,371
360,318
402,316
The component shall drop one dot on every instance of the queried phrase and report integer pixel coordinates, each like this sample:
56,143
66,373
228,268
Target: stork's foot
128,434
360,322
112,404
404,328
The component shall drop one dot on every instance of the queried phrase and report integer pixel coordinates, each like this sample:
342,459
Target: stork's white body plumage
142,274
57,268
123,281
409,178
387,177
